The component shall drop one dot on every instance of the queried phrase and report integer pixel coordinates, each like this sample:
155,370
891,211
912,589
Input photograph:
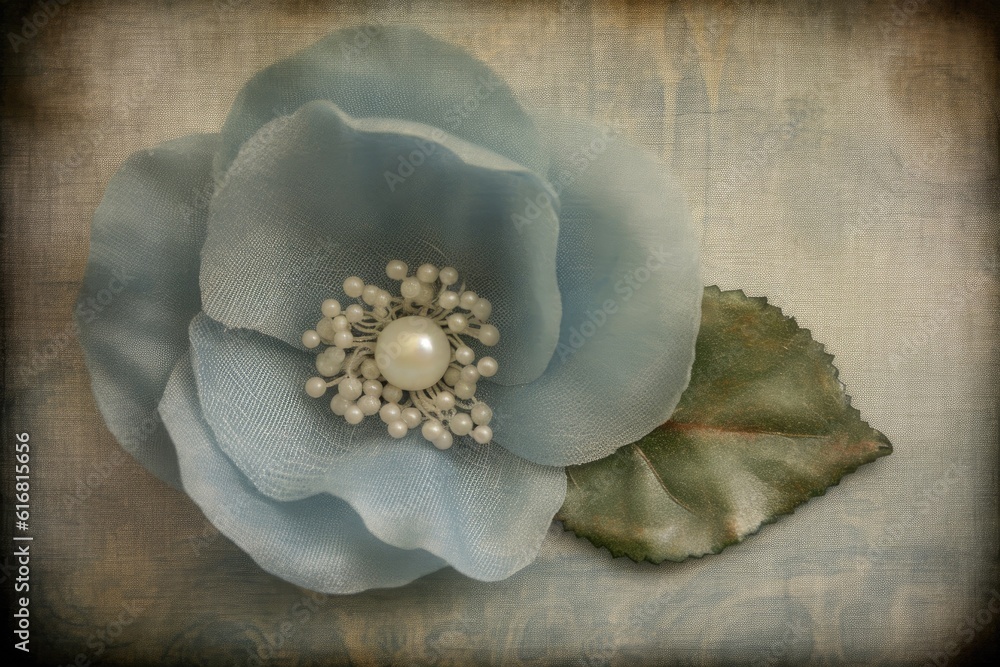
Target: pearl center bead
413,353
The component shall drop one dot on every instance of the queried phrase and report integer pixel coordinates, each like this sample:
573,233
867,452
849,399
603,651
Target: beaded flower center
405,357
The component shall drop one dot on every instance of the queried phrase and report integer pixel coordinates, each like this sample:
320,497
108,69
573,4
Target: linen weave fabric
838,159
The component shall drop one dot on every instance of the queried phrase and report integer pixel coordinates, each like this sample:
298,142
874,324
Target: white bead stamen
403,357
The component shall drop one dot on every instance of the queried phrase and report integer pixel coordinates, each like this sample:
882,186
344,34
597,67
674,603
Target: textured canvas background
840,159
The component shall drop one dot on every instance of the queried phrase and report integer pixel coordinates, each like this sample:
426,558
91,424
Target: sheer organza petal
480,508
631,295
318,542
312,199
140,289
389,72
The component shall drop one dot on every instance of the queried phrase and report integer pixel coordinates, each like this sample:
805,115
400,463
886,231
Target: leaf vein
690,426
659,479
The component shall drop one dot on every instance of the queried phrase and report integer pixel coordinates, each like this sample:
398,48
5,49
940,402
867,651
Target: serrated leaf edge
884,449
879,453
821,348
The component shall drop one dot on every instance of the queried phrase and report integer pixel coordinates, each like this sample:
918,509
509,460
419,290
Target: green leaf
764,426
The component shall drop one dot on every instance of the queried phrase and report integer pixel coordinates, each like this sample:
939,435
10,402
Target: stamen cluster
404,357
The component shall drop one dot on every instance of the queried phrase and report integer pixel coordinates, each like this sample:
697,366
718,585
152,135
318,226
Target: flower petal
389,72
631,294
318,542
307,204
140,289
482,509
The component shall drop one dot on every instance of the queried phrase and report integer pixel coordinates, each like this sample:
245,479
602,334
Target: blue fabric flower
357,151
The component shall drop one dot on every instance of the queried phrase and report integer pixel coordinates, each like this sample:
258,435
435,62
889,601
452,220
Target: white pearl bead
411,417
326,328
339,405
481,414
383,299
354,313
353,414
461,424
482,309
326,366
315,387
432,429
451,376
489,335
340,323
372,388
370,369
413,353
334,354
398,428
343,339
482,434
448,276
330,308
445,400
353,287
457,323
350,388
470,374
396,269
426,295
369,293
310,339
448,300
487,367
465,390
410,288
392,393
464,355
443,441
468,299
427,273
369,405
389,413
